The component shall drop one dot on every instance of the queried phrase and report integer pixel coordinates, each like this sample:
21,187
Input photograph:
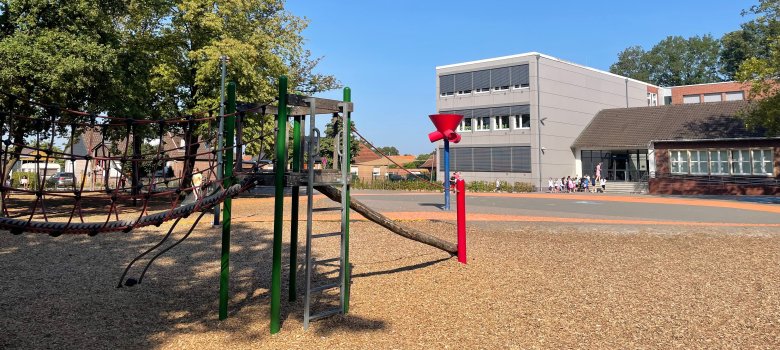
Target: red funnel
444,122
445,127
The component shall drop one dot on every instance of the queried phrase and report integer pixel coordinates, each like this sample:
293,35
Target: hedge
419,185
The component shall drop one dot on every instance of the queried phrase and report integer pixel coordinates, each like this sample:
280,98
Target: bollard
460,188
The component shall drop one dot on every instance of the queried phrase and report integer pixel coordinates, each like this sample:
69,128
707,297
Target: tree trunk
407,232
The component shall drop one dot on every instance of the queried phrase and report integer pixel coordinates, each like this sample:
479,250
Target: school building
529,117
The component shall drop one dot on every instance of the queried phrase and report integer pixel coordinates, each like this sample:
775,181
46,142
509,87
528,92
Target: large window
722,162
679,159
522,121
740,162
699,162
502,122
691,99
652,99
735,96
483,123
762,162
446,85
465,125
712,97
719,162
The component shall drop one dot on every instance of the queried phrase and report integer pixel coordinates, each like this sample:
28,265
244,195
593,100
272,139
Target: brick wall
680,91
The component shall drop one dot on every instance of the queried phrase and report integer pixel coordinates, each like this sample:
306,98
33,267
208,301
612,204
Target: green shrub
31,178
420,185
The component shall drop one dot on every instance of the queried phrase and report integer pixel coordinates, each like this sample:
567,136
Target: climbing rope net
111,182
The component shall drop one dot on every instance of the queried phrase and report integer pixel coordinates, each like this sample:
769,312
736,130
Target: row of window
722,162
714,97
483,81
499,122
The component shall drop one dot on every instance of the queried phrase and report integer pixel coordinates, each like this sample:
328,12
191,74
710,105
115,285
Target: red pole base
460,187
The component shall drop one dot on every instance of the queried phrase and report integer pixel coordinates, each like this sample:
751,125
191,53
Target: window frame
765,164
462,124
678,162
480,126
699,162
518,121
741,161
719,162
497,120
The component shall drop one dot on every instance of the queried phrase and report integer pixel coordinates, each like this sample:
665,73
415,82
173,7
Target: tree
673,61
388,150
763,74
150,59
632,63
754,39
326,142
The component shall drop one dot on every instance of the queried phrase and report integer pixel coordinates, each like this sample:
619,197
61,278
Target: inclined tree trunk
407,232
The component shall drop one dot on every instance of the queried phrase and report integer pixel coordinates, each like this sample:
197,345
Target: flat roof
534,53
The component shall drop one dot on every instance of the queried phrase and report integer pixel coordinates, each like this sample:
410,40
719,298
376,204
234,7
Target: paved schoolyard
581,207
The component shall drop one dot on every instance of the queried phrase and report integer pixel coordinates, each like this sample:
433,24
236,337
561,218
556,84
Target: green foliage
326,142
673,61
421,185
388,150
31,178
152,59
763,73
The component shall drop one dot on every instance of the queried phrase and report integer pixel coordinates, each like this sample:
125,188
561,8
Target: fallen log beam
373,215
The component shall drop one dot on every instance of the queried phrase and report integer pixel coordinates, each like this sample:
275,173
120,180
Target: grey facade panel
501,159
446,84
463,81
521,159
481,112
499,111
499,77
482,79
519,75
519,110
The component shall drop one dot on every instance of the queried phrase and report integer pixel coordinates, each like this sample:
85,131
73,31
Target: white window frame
678,160
737,162
698,98
464,92
462,125
446,94
518,121
520,86
765,161
482,124
501,88
498,122
481,90
731,94
721,161
699,162
652,99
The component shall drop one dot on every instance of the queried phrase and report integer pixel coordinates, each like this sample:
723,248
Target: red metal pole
460,187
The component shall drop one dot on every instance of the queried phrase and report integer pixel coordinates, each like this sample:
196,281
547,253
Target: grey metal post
538,124
220,142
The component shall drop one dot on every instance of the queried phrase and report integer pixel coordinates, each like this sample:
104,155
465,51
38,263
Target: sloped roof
365,154
401,160
636,127
429,163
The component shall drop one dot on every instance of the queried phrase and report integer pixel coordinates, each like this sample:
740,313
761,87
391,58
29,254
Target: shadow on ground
61,292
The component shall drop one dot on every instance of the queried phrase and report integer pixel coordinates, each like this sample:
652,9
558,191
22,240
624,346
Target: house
378,169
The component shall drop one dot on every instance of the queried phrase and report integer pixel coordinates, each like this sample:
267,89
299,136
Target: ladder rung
325,261
324,314
326,286
324,235
326,209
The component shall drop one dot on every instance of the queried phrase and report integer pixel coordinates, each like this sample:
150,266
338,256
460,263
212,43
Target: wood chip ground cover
526,286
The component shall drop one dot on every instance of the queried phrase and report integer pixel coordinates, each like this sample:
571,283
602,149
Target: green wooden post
227,180
296,167
279,168
347,158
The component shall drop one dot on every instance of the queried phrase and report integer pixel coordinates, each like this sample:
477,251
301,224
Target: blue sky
387,51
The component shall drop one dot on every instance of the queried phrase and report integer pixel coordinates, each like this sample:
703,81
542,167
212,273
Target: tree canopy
673,61
762,71
151,58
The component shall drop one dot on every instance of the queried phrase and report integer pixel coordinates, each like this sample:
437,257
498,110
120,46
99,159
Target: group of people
571,184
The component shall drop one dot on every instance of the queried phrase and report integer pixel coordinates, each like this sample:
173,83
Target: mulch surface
527,285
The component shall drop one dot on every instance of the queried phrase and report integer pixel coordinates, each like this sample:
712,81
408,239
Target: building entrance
616,165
